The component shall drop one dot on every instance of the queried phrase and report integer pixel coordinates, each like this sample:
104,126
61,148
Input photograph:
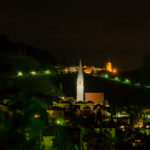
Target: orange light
88,70
84,67
37,115
67,121
51,142
114,70
138,141
109,66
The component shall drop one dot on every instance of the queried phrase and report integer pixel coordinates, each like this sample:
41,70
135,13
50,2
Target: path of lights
105,76
33,73
125,81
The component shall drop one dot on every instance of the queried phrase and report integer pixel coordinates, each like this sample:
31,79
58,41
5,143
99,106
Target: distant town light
60,121
47,72
118,115
33,72
122,127
117,79
67,121
19,73
137,84
127,81
106,76
37,115
114,71
138,141
147,86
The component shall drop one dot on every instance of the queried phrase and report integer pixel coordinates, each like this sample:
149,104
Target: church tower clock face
80,84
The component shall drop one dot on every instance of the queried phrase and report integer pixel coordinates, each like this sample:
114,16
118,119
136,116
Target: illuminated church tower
80,84
109,66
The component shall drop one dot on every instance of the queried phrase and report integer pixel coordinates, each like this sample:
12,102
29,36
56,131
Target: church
83,96
80,84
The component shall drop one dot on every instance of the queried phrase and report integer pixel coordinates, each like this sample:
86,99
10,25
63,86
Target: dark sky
93,30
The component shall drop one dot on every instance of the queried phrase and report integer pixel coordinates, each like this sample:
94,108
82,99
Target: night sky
92,30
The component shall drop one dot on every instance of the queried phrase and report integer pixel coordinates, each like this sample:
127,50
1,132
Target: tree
22,130
63,139
99,141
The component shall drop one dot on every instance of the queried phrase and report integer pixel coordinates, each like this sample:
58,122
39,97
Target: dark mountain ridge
9,47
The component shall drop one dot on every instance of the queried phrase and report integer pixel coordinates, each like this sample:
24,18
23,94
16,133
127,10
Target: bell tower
109,66
80,84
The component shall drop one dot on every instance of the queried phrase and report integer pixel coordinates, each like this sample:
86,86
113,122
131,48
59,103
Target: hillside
9,47
115,93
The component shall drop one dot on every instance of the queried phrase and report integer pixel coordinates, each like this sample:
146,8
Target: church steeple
80,84
80,72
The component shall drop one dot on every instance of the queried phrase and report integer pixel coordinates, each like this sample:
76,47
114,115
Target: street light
19,73
127,81
33,72
47,72
117,79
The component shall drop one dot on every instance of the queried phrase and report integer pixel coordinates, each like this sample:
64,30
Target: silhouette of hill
9,47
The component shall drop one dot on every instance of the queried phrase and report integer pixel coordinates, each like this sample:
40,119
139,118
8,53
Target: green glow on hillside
47,72
106,76
127,81
137,84
33,73
116,79
147,86
19,73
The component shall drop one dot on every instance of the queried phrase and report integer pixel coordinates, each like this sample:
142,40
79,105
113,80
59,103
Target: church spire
80,68
80,64
80,84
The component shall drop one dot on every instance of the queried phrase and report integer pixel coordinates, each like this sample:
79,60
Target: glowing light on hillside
147,86
33,73
117,79
47,72
127,81
19,73
106,76
114,71
137,84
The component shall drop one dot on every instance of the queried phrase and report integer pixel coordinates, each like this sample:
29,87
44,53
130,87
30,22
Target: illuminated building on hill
109,66
71,69
92,69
